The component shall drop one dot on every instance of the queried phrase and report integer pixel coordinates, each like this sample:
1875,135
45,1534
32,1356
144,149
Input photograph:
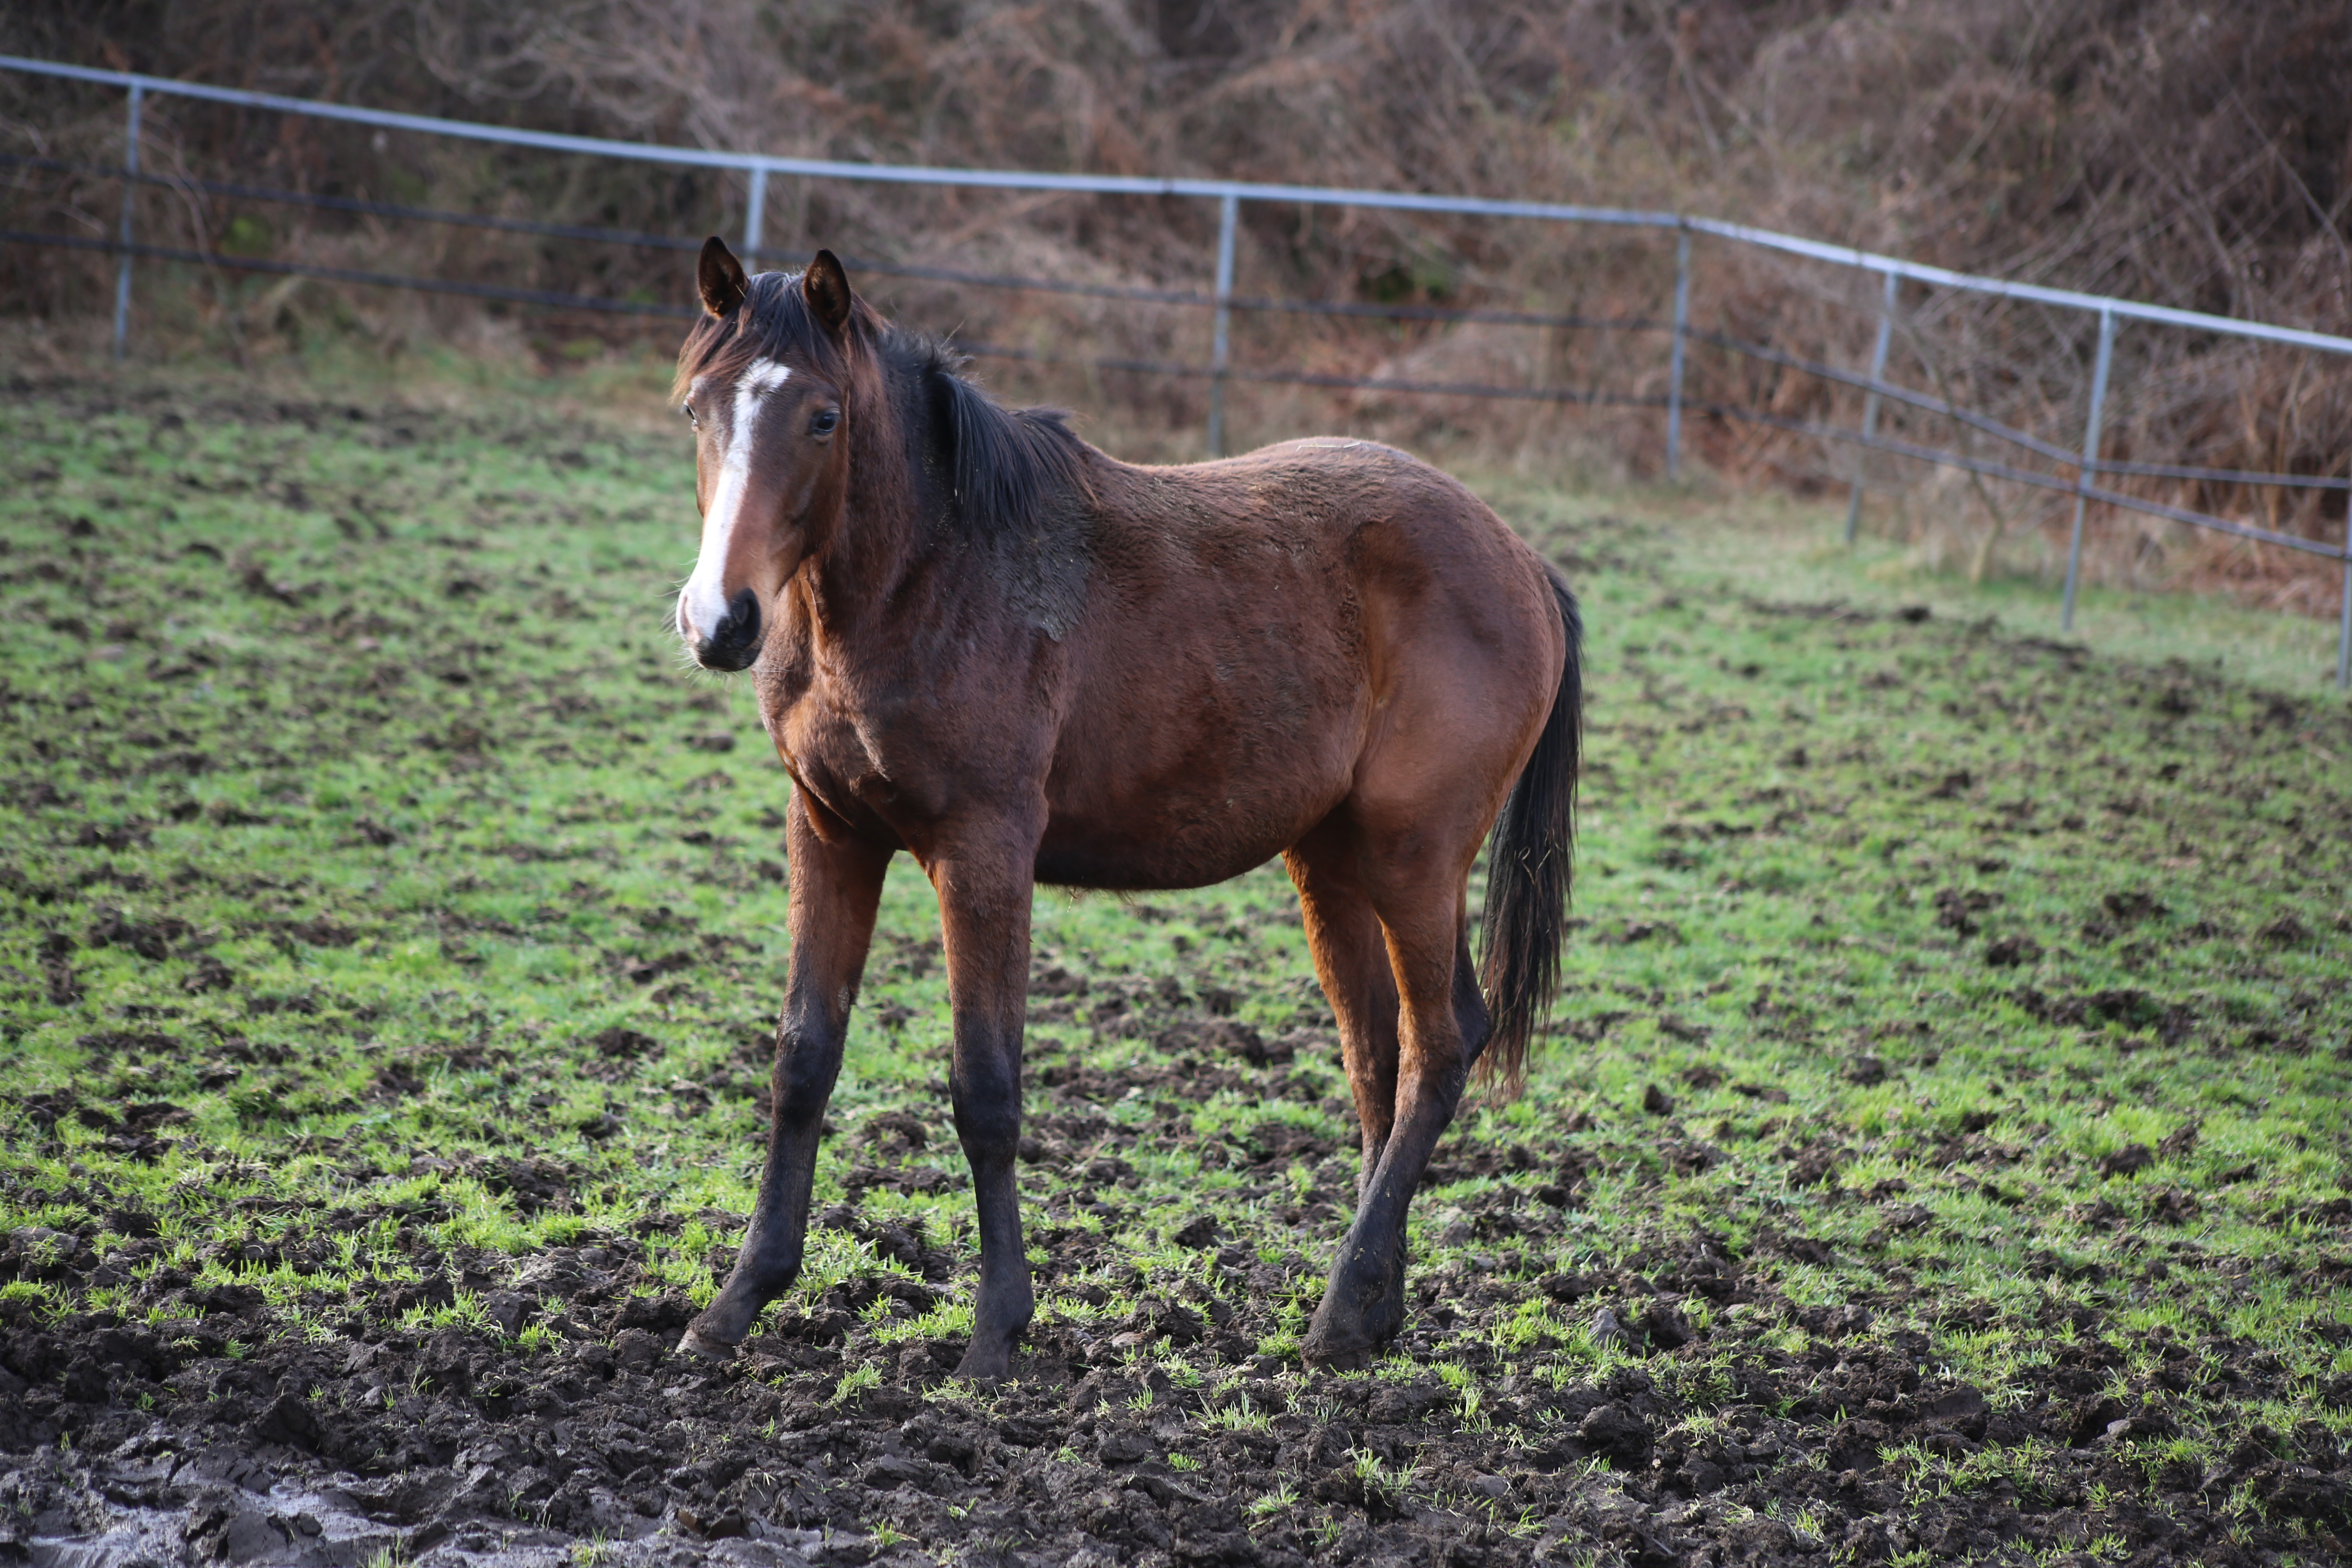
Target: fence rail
2085,466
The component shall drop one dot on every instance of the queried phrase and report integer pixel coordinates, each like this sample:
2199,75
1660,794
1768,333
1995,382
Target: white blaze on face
703,604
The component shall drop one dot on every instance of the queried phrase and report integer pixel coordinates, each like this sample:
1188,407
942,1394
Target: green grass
377,885
1773,547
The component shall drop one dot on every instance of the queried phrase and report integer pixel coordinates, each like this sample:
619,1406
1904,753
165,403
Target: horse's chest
832,760
864,772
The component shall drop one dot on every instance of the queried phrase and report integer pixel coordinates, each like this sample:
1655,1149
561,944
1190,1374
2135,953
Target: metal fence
2074,472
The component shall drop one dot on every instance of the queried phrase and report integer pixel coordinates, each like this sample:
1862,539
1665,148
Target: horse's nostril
743,623
734,642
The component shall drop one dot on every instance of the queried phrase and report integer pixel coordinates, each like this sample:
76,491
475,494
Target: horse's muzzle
734,642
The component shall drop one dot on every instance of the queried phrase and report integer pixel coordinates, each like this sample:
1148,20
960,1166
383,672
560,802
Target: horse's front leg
984,881
837,885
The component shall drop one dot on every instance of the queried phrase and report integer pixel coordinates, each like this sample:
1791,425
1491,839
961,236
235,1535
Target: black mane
1008,469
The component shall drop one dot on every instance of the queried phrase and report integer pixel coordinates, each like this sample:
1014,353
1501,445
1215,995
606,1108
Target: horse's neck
881,538
900,562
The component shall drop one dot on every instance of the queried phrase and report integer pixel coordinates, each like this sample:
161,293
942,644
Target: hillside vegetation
2168,150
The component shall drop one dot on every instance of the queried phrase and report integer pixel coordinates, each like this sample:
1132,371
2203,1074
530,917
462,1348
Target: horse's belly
1190,834
1210,760
1137,869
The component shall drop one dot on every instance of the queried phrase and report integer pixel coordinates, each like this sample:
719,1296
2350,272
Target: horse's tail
1528,869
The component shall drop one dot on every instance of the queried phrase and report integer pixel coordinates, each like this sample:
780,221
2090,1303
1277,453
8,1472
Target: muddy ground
200,1430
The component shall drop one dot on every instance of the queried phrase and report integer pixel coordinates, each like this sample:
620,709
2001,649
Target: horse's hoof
1352,1356
694,1342
981,1365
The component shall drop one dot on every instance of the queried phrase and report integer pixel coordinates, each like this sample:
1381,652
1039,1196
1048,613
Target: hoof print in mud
663,1314
636,1351
232,1530
713,1524
290,1420
1617,1435
1122,1448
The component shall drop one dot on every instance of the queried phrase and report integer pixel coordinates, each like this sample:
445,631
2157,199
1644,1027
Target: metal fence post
2089,464
129,189
1228,213
755,211
2344,615
1869,406
1675,376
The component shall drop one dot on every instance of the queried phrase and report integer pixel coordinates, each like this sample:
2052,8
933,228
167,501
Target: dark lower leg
769,1259
836,885
984,895
1363,1304
987,1088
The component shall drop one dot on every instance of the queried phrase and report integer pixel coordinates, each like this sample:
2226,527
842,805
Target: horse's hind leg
1351,960
1470,1012
1440,1026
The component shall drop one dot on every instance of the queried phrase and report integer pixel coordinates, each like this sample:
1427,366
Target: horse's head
766,379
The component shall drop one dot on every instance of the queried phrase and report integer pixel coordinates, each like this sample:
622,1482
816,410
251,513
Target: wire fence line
559,300
2083,466
2009,471
669,242
2024,438
1178,298
501,292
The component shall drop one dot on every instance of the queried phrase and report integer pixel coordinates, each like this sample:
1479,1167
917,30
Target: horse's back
1400,552
1260,629
1329,498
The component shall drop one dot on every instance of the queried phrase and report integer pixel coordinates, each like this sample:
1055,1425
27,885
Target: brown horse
980,640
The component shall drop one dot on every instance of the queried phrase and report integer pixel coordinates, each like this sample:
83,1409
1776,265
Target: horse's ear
720,278
825,287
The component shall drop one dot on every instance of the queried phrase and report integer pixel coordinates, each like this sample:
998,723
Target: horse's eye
825,422
688,409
